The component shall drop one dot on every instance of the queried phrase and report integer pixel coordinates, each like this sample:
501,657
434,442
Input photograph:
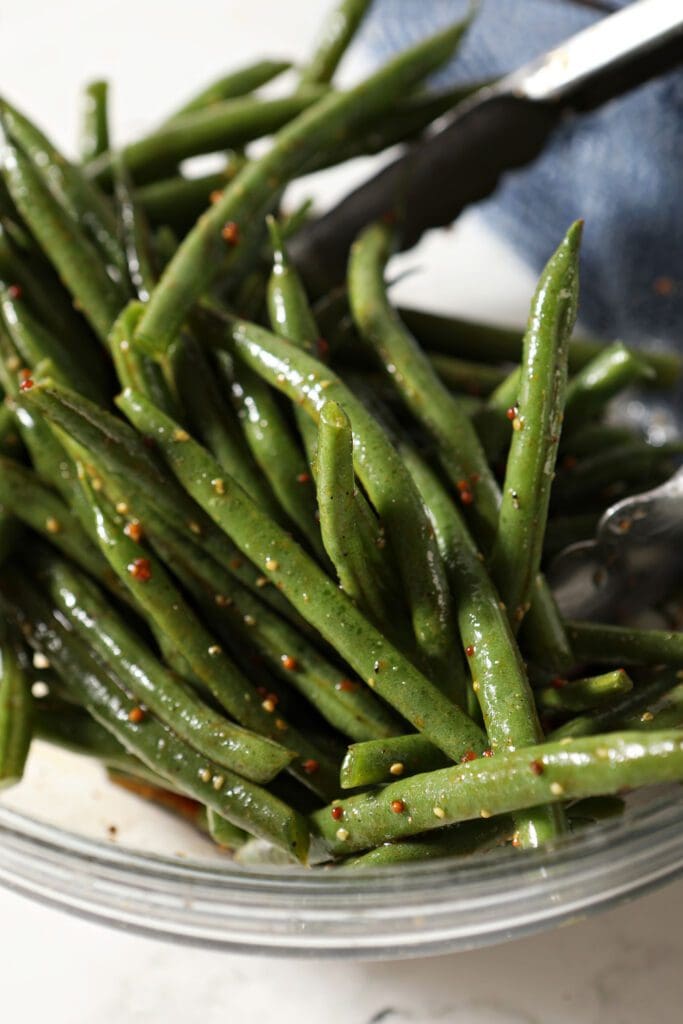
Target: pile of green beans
280,567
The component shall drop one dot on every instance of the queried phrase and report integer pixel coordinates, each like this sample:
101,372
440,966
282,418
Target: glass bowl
191,893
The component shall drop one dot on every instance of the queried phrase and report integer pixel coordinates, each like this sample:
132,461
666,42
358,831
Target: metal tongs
638,547
501,126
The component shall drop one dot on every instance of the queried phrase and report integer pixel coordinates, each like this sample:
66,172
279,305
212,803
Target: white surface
620,968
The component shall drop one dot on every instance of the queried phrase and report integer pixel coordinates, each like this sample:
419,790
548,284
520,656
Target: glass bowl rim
412,909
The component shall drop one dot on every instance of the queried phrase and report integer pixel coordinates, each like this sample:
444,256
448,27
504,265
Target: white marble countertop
621,967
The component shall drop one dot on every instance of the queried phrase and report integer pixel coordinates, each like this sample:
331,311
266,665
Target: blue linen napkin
618,167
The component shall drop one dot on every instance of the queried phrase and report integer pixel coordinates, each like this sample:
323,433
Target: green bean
595,437
117,645
382,760
134,369
620,711
384,477
275,450
610,372
73,255
44,293
499,677
223,832
200,257
667,714
592,766
209,416
243,803
595,808
235,83
516,554
94,137
133,478
339,29
311,592
179,201
74,194
465,375
16,707
348,541
584,694
291,317
493,344
288,308
24,494
597,642
419,385
457,841
81,369
593,478
224,125
10,442
153,589
226,605
134,231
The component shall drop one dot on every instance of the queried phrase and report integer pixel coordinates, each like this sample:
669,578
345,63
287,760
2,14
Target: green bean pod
309,589
235,83
428,399
550,772
24,493
494,344
620,711
584,694
516,554
94,136
73,255
201,256
223,832
179,201
385,479
339,29
499,677
275,450
383,760
210,416
133,368
228,124
82,369
622,645
594,479
117,645
154,591
242,620
615,369
457,841
243,803
16,707
74,194
133,478
347,537
134,231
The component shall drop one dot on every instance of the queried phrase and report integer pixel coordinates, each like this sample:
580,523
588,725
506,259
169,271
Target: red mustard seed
231,233
141,569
